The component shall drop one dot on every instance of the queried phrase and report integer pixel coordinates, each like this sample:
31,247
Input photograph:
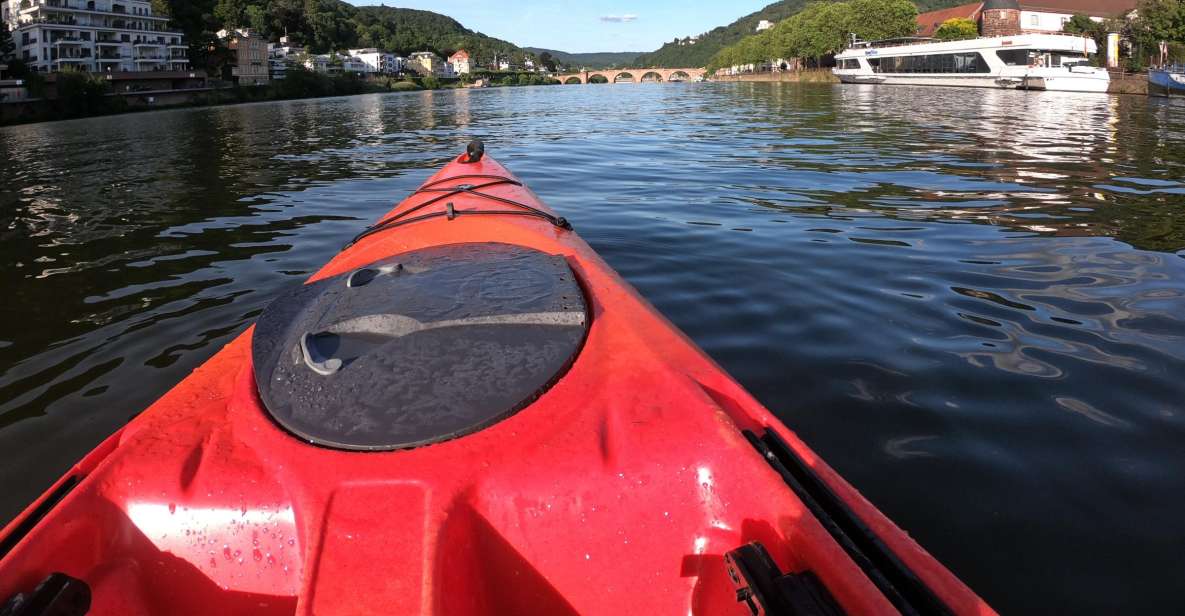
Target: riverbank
1128,83
808,76
94,97
1121,83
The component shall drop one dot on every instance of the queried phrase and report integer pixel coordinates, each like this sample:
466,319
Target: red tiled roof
460,55
929,22
1094,8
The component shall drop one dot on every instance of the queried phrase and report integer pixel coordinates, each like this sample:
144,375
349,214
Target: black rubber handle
475,151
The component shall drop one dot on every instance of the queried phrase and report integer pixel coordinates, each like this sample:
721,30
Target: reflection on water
971,302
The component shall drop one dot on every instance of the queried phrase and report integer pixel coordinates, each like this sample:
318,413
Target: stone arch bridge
634,75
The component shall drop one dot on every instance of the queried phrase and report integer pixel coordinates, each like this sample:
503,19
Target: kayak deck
620,488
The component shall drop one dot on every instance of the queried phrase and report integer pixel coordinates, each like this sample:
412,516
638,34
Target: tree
547,61
956,29
1085,26
7,45
231,13
1155,21
874,20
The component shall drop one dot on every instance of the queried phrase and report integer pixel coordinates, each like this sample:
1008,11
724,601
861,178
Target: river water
972,303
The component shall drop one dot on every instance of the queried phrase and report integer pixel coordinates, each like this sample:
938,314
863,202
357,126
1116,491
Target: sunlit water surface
972,303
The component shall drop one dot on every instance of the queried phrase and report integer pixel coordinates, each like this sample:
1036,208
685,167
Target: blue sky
595,25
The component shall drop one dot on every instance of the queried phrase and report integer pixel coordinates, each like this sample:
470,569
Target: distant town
67,48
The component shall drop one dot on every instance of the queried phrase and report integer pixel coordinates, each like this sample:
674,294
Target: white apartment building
282,56
93,35
322,63
353,64
378,61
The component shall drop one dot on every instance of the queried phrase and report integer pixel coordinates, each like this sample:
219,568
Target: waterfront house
283,56
252,57
428,63
353,65
460,62
1012,17
95,35
318,63
378,62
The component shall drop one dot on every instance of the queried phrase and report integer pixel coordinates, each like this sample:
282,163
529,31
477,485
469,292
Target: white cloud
618,19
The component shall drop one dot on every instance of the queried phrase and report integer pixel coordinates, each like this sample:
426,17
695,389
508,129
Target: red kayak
465,412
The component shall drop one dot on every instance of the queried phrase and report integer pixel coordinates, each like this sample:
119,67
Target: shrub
957,28
82,94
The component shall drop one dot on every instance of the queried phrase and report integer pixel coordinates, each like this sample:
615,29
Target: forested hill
684,53
328,25
600,59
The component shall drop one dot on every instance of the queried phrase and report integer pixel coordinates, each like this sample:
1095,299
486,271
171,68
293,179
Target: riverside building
252,65
379,62
93,35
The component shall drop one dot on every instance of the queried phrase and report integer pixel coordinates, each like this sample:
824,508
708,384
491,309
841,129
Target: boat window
1039,57
849,63
970,62
1014,57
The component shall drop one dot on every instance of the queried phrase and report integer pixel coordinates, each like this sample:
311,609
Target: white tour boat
1026,61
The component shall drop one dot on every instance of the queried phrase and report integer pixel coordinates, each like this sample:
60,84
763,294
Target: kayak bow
465,412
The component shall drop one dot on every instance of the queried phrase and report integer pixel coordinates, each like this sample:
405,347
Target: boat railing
894,42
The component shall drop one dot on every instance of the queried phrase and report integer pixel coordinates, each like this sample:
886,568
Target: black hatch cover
419,348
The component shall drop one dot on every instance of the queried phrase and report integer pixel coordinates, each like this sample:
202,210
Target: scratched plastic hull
620,490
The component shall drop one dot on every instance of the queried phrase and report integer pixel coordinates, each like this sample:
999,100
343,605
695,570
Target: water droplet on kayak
271,560
213,563
587,557
172,508
257,555
292,542
226,552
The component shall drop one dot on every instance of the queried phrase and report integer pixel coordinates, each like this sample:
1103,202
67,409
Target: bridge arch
635,75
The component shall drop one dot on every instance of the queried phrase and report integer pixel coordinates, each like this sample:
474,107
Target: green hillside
684,53
329,25
602,59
